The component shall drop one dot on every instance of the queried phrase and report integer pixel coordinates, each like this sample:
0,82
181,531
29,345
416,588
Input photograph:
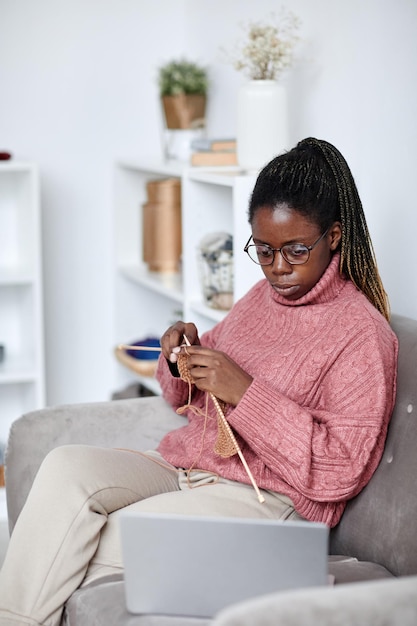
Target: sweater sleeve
329,452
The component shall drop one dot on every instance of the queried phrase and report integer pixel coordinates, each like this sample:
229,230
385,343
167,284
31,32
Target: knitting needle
233,438
123,346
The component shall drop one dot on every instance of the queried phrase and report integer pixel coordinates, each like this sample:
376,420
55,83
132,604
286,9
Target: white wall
355,84
78,90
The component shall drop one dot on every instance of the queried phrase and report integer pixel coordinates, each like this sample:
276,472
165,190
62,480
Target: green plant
182,77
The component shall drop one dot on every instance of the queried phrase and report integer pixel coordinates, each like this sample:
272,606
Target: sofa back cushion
380,524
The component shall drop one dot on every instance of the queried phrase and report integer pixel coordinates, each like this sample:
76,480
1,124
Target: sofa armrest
137,423
379,603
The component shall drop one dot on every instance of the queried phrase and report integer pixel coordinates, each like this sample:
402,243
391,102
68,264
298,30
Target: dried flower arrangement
268,48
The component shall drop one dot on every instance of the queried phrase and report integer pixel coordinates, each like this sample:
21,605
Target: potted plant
183,89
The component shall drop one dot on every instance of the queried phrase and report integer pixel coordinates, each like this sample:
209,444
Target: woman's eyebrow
286,243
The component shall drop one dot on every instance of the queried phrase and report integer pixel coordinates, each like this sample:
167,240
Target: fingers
173,357
198,356
204,365
173,338
213,371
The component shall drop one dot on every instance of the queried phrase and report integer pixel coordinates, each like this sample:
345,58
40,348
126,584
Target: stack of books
213,152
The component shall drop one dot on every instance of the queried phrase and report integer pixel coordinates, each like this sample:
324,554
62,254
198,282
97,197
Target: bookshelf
146,303
21,327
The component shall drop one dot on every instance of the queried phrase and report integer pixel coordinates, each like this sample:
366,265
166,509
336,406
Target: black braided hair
314,179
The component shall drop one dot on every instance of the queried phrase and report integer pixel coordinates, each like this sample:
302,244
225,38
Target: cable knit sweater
312,424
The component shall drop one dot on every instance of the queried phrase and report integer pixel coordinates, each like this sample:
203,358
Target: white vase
262,124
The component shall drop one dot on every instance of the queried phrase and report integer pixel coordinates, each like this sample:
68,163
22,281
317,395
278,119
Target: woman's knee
66,461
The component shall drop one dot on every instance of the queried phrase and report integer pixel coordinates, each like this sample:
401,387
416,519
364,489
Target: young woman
304,367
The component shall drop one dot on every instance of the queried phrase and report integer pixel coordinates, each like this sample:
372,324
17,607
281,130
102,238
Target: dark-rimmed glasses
293,253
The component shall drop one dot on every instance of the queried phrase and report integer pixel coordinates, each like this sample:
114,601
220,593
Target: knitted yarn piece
225,444
182,364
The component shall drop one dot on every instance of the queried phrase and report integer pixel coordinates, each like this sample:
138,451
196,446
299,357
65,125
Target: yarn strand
224,426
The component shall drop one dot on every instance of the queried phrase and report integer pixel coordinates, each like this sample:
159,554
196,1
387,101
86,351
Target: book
203,144
210,158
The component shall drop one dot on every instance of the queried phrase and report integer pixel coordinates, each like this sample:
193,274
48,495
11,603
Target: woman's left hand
214,372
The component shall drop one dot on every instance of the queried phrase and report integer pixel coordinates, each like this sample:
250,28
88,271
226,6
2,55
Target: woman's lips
285,290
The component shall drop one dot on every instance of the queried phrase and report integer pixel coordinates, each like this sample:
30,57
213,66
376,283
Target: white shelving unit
22,380
213,199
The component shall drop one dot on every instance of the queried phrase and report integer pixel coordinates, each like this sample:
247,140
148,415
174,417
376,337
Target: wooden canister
161,221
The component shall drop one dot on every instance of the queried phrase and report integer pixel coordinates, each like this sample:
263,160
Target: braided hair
314,179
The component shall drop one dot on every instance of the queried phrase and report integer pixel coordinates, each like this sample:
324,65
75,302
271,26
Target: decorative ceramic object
215,256
262,120
184,121
262,123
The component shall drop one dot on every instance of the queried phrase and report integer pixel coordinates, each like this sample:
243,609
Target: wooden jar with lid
162,225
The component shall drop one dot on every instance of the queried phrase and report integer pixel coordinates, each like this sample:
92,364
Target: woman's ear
335,235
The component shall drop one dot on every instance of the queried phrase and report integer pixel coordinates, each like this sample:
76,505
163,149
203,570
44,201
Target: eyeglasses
293,253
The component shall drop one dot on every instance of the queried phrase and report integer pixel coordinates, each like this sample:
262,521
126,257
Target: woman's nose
280,265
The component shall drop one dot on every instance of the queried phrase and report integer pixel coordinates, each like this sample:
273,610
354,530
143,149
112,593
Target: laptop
194,566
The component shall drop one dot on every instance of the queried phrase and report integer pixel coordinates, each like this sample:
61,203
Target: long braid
357,256
315,180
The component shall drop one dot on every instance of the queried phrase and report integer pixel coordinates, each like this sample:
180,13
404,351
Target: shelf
16,167
16,372
10,277
150,383
22,387
146,303
126,377
216,315
224,177
154,166
169,285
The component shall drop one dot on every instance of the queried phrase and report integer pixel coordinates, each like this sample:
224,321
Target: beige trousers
67,533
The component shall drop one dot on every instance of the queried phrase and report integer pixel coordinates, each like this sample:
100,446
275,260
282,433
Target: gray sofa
374,547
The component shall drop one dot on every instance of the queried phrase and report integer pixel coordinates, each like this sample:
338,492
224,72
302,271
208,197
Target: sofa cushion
380,524
390,602
104,603
345,569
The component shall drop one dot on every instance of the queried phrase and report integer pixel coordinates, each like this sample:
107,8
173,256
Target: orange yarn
225,445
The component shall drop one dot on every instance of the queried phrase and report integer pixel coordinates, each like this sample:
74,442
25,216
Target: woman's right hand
173,338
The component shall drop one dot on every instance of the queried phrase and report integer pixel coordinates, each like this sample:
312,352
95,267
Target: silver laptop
195,566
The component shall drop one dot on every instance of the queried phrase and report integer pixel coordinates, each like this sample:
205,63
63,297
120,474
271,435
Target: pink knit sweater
312,424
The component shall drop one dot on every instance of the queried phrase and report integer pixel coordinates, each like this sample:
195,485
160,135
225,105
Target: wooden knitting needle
233,439
124,346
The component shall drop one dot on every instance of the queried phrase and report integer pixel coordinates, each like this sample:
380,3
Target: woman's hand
214,372
173,338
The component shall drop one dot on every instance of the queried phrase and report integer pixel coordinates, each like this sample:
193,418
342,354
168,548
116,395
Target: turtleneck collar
325,290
